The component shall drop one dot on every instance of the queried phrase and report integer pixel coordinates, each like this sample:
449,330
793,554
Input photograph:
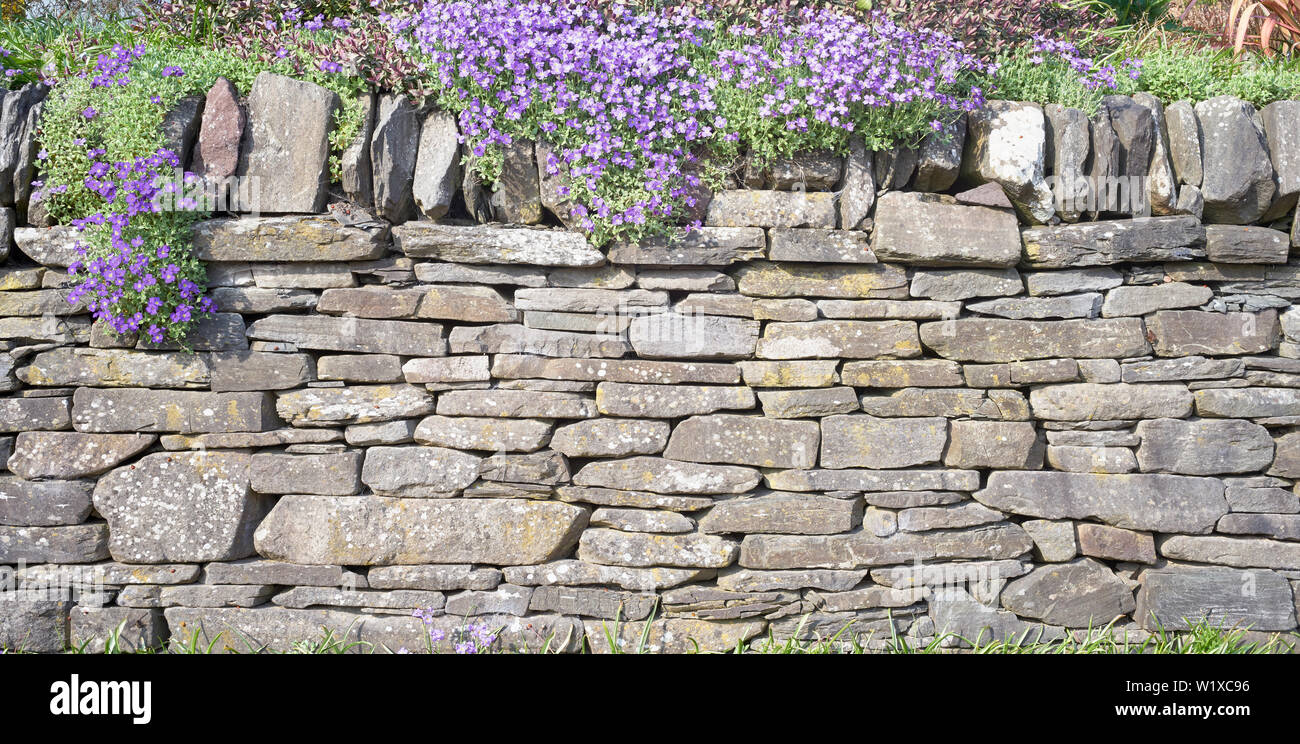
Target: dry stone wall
842,402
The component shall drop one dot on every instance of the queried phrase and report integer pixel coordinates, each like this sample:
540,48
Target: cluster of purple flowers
129,280
1093,74
473,639
616,91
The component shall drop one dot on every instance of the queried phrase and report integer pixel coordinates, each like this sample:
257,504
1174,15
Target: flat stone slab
378,531
483,244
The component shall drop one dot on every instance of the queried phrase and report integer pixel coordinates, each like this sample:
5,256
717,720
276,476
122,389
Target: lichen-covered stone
667,476
869,442
286,154
993,340
495,245
181,412
745,440
317,407
1157,503
73,455
378,531
1210,447
925,230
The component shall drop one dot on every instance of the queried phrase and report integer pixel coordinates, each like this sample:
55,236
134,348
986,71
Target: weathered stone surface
705,246
1177,598
811,374
1177,238
611,438
1158,503
377,531
436,178
216,154
52,246
1277,526
1092,402
318,407
1072,281
1186,332
495,245
929,231
263,301
672,335
578,573
540,469
1248,402
992,444
963,284
888,309
335,474
360,368
957,516
998,405
352,335
1246,244
614,548
517,339
141,410
115,368
992,341
1006,144
273,438
503,435
588,300
1144,300
1162,185
772,209
766,279
853,339
394,145
1054,540
516,404
1239,552
1184,142
1209,447
642,520
601,603
1069,144
1021,308
819,246
71,455
24,503
247,371
181,507
506,366
745,440
667,476
1081,594
860,549
1270,500
38,627
442,578
1280,119
878,443
815,403
286,152
1115,544
939,157
73,544
302,275
1085,459
669,401
134,630
1238,176
286,239
518,197
783,514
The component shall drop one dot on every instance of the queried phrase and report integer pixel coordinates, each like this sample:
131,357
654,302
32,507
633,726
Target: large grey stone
1177,238
1135,300
768,279
881,443
25,503
963,284
828,339
320,407
72,366
690,336
436,178
513,367
670,401
498,435
778,513
1281,120
326,474
705,246
1176,598
377,531
745,440
1094,402
1184,142
1210,447
1245,244
667,476
181,507
286,239
518,339
495,245
394,146
1006,144
862,549
1238,176
772,209
1238,552
930,231
1081,594
614,548
995,341
518,198
352,335
286,152
1158,503
516,404
71,455
1180,333
611,438
994,444
182,412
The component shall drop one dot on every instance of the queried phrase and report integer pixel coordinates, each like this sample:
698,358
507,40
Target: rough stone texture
286,152
994,341
1158,503
929,231
394,145
70,455
495,245
1188,332
772,209
437,176
1006,144
377,531
1177,598
286,239
1178,238
216,155
1238,177
190,507
745,440
1081,594
1203,447
878,443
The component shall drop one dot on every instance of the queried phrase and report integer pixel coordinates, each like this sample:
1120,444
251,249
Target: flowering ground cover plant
641,103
